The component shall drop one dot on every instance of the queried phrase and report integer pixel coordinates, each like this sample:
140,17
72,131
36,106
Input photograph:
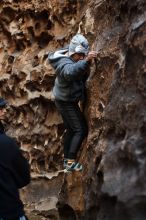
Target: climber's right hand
91,55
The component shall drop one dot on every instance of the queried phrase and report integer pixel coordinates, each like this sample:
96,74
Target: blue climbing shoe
74,166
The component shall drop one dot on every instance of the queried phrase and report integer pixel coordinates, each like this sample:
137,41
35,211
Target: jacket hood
54,56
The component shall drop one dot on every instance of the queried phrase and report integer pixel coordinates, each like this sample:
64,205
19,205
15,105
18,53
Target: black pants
76,127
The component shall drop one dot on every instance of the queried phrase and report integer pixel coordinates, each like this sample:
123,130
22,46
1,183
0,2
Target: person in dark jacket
14,174
71,65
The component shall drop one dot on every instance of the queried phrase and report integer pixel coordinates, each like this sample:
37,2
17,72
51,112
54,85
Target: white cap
78,44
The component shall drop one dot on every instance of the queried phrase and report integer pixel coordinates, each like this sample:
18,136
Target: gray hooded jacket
70,76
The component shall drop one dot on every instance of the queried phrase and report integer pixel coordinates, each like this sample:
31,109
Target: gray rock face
116,189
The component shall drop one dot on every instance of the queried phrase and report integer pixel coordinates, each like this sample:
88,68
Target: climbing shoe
74,166
65,163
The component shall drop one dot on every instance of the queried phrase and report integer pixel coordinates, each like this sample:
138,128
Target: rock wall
112,185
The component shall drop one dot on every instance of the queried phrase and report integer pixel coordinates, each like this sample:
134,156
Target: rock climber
71,65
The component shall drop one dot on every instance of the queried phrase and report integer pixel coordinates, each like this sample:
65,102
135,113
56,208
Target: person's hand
91,55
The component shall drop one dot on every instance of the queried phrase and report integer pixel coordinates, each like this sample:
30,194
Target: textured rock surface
112,186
